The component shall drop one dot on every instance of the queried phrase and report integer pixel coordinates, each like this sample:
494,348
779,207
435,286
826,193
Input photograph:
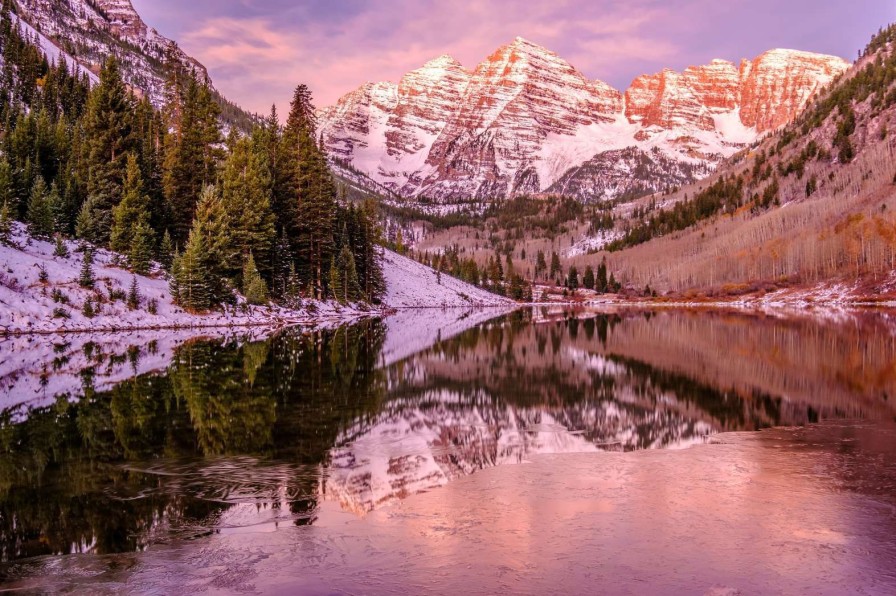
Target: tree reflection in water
237,433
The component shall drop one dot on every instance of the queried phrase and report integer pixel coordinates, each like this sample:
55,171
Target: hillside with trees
811,204
257,212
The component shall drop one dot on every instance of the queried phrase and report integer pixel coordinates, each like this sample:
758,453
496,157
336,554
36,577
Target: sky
257,51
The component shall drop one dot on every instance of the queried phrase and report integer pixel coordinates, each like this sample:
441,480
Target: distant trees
588,278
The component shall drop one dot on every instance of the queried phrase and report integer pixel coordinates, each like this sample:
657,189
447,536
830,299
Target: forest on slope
257,212
811,204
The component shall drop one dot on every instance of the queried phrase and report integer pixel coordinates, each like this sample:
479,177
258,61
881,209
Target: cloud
258,50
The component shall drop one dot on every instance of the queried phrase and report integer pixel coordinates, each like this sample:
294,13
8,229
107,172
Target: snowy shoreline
40,293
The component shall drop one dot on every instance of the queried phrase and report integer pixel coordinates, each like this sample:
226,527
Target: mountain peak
443,62
523,44
525,117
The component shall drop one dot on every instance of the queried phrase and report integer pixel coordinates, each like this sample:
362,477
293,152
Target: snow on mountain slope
87,32
525,118
53,53
410,284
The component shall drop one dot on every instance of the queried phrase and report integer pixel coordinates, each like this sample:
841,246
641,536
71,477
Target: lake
547,450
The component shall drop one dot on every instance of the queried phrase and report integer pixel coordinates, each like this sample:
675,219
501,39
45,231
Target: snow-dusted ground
29,305
592,243
412,285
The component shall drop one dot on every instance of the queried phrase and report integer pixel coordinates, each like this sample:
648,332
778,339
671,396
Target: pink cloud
258,51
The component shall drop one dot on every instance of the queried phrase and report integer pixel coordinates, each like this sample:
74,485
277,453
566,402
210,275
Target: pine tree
5,224
292,297
108,131
59,209
132,212
588,278
141,249
541,265
191,151
572,278
254,288
86,279
174,277
212,224
601,284
134,297
555,265
166,250
40,215
192,275
311,189
336,279
348,289
60,250
281,266
7,188
246,196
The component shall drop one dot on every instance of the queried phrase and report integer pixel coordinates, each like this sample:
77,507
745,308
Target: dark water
371,458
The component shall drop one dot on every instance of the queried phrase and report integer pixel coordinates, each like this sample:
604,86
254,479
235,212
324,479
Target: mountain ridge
89,31
524,118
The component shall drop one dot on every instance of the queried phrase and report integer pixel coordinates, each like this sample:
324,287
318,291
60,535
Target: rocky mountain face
526,121
89,31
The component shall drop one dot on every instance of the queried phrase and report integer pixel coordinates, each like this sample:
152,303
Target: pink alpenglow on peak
525,120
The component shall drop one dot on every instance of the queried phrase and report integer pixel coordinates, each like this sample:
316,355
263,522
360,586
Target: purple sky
258,50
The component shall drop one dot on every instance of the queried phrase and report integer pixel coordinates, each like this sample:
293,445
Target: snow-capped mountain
526,121
89,31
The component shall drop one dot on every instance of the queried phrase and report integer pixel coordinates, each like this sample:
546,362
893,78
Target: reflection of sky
758,514
258,50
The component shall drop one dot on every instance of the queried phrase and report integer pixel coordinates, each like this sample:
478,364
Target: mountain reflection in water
249,433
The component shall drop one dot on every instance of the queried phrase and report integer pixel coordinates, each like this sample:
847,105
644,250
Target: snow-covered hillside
412,285
57,302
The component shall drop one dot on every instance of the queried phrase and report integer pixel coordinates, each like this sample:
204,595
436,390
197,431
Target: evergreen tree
556,269
246,196
86,279
5,224
59,209
572,278
132,212
40,215
134,297
601,284
109,136
282,265
166,251
312,189
60,249
174,277
292,297
212,223
588,278
254,288
347,289
191,151
193,281
541,265
7,189
141,249
336,279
